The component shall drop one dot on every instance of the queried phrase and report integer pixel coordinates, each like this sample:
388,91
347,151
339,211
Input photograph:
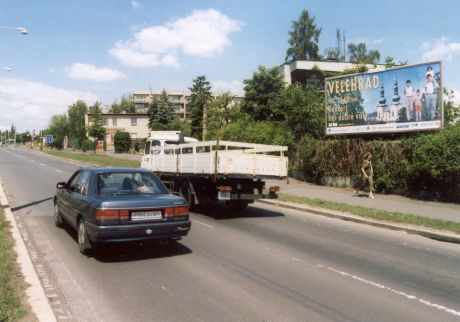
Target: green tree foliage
199,101
96,130
303,109
263,132
360,54
76,121
122,142
263,93
161,113
303,39
222,111
126,105
59,128
451,111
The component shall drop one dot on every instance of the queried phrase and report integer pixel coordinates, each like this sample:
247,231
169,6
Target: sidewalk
431,209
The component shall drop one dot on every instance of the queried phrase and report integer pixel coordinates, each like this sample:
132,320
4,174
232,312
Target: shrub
88,145
122,142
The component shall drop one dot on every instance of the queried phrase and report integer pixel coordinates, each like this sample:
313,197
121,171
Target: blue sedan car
107,205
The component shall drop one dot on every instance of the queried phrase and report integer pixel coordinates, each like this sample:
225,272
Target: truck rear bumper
245,196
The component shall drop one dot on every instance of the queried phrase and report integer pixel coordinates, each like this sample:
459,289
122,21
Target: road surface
265,264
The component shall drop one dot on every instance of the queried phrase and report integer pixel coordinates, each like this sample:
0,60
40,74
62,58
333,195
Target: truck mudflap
226,195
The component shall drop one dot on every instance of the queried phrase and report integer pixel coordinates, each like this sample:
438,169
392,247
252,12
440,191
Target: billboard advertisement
402,99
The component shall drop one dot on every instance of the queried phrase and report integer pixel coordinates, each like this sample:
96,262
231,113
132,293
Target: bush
246,130
425,166
122,142
88,145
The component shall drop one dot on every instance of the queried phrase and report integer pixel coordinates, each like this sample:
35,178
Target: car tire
84,244
58,221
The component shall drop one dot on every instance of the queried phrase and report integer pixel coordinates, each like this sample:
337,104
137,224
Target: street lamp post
21,30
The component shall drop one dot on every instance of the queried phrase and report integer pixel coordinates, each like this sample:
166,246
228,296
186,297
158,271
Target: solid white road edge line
392,290
35,292
202,223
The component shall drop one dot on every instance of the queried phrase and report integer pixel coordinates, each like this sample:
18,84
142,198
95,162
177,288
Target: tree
199,100
222,110
262,94
126,105
96,130
122,142
303,39
304,110
389,62
361,55
77,130
59,127
161,113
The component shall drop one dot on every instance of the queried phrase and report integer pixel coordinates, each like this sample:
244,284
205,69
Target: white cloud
233,86
204,33
30,105
440,49
90,72
135,4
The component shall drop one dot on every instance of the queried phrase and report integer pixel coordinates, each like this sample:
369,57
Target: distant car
106,205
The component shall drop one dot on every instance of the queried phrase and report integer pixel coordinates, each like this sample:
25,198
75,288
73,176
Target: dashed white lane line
392,290
58,170
43,165
203,224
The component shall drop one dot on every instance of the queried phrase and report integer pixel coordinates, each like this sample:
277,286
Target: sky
100,50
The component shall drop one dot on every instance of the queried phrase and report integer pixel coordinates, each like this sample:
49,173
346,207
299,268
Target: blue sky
103,49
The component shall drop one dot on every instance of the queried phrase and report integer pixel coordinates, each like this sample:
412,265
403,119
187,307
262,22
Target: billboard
402,99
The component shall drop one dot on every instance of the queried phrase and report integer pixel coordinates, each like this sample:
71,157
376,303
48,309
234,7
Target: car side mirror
61,185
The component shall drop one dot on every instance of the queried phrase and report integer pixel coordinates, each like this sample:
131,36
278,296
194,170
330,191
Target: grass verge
98,159
11,281
390,216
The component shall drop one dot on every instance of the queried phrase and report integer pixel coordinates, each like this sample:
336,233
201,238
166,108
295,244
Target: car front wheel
84,243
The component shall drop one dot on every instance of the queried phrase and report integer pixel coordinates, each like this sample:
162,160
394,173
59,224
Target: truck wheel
188,196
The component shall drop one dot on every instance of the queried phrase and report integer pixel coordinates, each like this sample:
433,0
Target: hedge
423,165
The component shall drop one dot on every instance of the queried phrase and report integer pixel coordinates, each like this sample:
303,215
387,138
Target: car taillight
111,215
176,211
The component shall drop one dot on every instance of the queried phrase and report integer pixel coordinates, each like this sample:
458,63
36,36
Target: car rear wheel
58,222
84,243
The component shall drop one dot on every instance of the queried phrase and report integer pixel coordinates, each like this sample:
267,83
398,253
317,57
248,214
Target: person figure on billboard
367,176
430,95
409,93
429,71
418,105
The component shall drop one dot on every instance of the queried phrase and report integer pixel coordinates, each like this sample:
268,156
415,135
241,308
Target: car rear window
123,183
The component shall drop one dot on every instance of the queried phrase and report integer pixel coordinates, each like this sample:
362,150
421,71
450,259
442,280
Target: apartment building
179,100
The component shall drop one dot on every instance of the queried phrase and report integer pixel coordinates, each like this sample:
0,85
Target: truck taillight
176,211
111,215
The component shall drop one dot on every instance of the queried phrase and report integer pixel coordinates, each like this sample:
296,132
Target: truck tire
187,194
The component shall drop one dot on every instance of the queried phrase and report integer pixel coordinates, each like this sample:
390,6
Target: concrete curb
35,292
412,229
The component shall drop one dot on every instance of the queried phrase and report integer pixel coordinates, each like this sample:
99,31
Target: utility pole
205,122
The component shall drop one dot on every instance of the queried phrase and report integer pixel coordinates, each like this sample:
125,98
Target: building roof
122,114
328,66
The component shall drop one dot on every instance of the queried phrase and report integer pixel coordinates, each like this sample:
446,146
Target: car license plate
224,195
145,215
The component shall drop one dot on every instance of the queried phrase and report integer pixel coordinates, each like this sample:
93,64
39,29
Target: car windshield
122,183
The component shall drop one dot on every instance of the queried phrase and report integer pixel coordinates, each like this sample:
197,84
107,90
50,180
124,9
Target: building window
114,121
133,121
105,121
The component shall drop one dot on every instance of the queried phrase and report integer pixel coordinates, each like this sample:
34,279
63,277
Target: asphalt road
265,264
